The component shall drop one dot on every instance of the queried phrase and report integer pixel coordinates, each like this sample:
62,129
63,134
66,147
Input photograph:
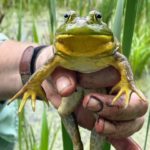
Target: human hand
113,121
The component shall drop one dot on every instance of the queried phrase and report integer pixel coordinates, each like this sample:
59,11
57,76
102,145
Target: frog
86,45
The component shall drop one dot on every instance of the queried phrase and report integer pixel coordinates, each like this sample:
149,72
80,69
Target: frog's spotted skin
83,44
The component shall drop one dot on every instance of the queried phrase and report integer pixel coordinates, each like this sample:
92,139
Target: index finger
101,105
103,78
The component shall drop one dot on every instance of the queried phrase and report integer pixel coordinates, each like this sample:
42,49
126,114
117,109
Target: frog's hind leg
73,131
126,85
96,141
68,104
65,111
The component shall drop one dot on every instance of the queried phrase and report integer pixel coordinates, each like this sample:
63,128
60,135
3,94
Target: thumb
64,80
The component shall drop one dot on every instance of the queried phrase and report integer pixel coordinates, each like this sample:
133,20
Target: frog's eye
70,15
98,16
66,16
95,16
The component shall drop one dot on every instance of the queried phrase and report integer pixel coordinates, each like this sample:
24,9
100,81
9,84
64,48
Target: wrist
32,59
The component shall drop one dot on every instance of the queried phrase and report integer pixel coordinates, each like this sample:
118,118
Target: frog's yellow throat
84,45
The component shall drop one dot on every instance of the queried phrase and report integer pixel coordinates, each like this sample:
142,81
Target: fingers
115,121
101,104
104,78
85,118
65,81
51,93
118,129
124,144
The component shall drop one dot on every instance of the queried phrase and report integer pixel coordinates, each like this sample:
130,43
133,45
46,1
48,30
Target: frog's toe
42,94
115,88
27,94
33,101
128,96
16,95
24,99
11,100
116,98
127,92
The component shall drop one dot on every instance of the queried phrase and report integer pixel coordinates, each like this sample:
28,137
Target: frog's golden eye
70,15
66,16
95,16
98,16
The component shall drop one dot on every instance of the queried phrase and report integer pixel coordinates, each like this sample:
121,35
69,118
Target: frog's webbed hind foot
29,92
126,88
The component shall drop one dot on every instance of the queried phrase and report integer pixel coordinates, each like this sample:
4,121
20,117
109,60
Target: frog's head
87,36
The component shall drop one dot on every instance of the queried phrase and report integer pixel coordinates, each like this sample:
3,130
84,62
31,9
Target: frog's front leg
33,88
126,85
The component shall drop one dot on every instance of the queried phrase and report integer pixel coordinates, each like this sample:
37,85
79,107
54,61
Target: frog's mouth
86,45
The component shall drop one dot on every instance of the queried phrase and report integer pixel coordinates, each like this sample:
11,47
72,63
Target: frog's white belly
86,65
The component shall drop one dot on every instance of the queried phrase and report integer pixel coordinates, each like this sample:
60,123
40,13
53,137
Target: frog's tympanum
83,44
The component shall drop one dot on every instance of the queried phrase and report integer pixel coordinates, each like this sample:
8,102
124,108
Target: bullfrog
86,45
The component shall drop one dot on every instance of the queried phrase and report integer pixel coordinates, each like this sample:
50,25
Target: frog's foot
126,88
29,92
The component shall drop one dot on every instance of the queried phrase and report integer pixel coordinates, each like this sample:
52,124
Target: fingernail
62,83
94,104
99,125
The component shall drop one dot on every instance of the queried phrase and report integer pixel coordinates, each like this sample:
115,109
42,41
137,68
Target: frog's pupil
98,16
66,16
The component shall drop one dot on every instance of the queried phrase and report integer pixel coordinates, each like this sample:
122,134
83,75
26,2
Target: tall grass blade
34,32
32,135
54,138
130,15
52,15
67,143
44,132
147,131
20,13
106,146
66,3
147,7
118,19
88,6
80,7
106,7
25,135
31,138
141,47
20,128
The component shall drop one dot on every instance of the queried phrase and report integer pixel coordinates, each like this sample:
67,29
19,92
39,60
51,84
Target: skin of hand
113,121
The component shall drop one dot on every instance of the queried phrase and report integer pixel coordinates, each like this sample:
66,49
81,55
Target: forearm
10,79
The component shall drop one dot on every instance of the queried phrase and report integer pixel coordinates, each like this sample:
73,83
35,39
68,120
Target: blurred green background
36,21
